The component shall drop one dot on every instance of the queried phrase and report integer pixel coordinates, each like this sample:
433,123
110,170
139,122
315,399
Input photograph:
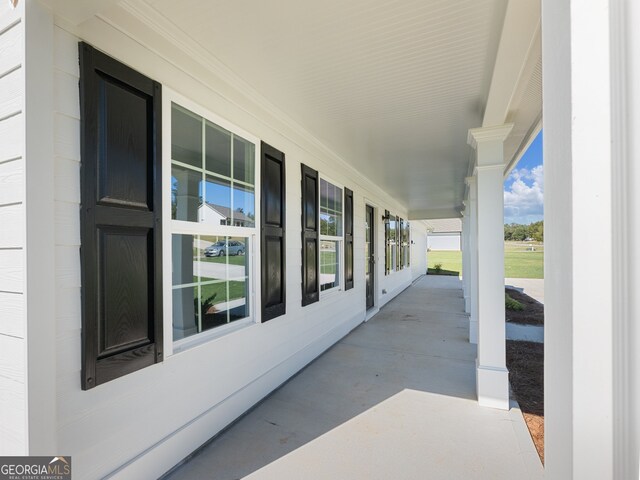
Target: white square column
492,376
473,259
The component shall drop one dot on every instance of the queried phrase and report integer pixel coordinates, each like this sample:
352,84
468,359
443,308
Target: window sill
332,292
196,340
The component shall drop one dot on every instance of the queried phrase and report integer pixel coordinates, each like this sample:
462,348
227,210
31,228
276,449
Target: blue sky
524,187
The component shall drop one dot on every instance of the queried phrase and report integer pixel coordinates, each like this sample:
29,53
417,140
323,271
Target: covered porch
393,399
416,110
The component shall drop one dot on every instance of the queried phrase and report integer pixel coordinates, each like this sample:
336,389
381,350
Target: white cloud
524,198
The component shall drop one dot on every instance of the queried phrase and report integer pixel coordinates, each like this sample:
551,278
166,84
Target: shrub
512,304
438,268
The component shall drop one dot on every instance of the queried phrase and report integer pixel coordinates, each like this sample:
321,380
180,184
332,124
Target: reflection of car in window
218,249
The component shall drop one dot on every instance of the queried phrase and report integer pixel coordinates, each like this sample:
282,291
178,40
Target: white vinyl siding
13,432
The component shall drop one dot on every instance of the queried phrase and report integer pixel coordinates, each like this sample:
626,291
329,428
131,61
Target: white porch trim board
40,229
473,259
492,375
591,103
466,284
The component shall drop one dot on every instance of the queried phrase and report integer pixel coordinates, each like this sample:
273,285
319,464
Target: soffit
444,225
390,86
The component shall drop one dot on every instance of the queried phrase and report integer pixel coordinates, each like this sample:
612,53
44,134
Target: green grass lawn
236,290
519,260
451,261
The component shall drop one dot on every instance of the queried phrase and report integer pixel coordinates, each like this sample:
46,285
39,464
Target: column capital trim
497,133
484,168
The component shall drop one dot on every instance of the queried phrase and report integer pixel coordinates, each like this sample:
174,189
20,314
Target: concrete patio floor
394,399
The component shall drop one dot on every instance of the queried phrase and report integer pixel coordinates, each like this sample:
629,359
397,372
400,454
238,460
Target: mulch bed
525,361
432,271
533,313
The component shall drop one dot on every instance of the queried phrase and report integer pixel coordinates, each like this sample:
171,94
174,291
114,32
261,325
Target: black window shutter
121,252
401,243
272,219
408,226
397,245
348,239
310,237
387,242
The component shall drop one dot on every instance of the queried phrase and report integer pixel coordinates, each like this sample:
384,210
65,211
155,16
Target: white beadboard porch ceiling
390,86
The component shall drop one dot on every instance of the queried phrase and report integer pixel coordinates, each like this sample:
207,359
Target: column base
467,304
473,330
492,387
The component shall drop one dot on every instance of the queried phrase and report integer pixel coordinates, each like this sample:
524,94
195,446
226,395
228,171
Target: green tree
518,233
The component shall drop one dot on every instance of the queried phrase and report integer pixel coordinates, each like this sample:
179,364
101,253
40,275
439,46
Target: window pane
330,209
238,302
338,202
186,136
392,244
216,270
324,194
324,223
218,150
212,305
185,319
212,258
329,269
244,210
186,185
217,202
243,160
183,254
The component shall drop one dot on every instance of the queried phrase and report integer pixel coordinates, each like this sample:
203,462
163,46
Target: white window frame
170,227
393,249
339,239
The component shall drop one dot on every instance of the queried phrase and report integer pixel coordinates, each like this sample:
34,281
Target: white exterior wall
13,422
140,425
444,241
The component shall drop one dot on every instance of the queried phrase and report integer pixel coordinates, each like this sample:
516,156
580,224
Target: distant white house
212,214
444,234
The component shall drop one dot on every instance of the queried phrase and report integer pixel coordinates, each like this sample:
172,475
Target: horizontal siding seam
59,69
74,117
11,336
10,26
4,377
10,71
63,114
10,204
11,115
14,159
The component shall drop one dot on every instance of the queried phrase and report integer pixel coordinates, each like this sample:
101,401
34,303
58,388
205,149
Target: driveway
219,270
534,287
